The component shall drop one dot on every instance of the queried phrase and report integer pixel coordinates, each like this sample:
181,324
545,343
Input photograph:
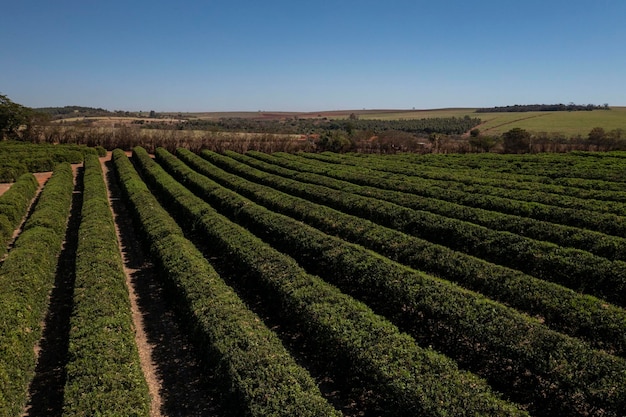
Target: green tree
483,143
597,135
334,141
516,140
12,117
617,134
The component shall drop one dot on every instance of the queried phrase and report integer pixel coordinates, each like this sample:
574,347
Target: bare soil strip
136,265
47,388
4,187
178,384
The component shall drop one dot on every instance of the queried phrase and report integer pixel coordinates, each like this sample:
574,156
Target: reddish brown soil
42,177
145,349
5,186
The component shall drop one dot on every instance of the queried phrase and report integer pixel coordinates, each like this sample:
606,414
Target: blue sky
309,56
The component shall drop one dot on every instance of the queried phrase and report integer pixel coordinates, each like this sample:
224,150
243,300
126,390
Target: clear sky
218,55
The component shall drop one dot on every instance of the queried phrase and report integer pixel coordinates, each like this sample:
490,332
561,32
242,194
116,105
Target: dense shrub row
564,310
608,223
440,313
477,174
359,182
14,203
540,170
600,170
412,380
17,158
26,277
104,376
296,126
263,379
595,189
495,188
573,268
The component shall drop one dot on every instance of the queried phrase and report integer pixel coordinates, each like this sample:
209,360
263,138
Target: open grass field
568,123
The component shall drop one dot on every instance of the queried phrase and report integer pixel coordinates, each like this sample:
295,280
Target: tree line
543,107
518,140
443,125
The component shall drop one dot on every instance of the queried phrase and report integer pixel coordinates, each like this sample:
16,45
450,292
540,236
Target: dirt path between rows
135,264
178,384
42,177
4,187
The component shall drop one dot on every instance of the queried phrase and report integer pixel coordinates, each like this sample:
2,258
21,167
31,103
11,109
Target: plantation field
318,285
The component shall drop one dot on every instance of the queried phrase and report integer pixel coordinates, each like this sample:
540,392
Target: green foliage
17,158
410,379
516,140
259,374
423,304
421,126
564,310
74,111
597,135
334,141
14,203
101,151
26,277
512,177
573,268
6,229
12,117
606,140
524,207
482,143
543,107
104,375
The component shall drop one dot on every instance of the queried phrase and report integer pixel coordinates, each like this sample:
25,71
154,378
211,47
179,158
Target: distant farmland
570,124
365,130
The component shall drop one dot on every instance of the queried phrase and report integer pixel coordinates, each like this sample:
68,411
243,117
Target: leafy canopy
12,117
